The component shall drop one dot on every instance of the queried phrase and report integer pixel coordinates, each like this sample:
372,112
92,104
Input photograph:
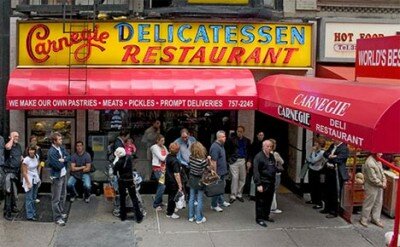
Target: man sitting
80,170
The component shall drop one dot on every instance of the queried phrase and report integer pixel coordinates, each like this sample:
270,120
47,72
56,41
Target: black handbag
215,188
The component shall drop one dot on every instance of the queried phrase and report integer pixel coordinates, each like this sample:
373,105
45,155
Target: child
130,147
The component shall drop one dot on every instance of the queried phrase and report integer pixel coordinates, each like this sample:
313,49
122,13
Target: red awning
131,89
362,114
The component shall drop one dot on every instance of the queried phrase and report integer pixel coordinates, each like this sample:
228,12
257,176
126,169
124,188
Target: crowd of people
179,171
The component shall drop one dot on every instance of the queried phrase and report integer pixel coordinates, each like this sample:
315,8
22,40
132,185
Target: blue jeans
199,207
218,200
30,202
86,185
160,190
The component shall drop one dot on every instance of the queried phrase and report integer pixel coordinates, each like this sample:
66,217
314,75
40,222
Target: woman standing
375,182
33,143
173,179
279,166
31,182
123,171
198,163
315,164
159,153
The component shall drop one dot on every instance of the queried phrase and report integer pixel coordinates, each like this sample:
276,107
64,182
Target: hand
260,188
29,185
384,185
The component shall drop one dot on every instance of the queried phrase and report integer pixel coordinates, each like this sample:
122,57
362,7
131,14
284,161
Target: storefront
89,85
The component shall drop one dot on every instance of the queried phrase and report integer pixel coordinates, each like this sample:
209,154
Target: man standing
80,170
12,164
118,143
184,142
238,156
335,175
264,170
255,148
219,165
58,159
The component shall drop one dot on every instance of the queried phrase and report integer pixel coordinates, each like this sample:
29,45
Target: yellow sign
227,2
209,44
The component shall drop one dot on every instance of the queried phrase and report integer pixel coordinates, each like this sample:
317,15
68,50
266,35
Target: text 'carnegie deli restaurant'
203,76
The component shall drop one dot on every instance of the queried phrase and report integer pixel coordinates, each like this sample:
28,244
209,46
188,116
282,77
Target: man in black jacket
335,175
264,170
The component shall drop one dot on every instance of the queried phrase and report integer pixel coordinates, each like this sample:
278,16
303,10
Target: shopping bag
215,188
109,192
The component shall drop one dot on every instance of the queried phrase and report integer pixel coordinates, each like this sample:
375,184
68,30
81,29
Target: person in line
264,170
335,176
58,159
238,149
123,171
159,153
81,163
219,165
33,142
375,183
31,181
118,143
173,179
13,158
255,148
279,166
198,163
316,163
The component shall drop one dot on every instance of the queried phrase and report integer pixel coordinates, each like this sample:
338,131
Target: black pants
122,186
264,201
316,186
171,200
10,200
333,188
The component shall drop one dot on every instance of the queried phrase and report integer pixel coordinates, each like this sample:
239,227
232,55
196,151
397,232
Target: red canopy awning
362,114
131,89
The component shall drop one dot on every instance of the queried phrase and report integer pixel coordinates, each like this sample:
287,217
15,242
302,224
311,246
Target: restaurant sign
209,44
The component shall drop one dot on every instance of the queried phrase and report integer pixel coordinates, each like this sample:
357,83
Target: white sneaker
37,201
60,222
173,216
191,219
217,209
202,220
226,204
276,211
64,216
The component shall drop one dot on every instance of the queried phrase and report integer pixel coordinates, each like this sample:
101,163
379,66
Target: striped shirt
197,166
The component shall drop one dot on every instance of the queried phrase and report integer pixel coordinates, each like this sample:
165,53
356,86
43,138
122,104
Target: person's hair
198,151
242,127
273,141
220,132
55,136
184,130
174,148
159,137
31,137
129,139
79,142
32,147
321,142
124,133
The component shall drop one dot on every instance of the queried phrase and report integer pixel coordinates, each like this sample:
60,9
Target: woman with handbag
159,153
198,162
315,164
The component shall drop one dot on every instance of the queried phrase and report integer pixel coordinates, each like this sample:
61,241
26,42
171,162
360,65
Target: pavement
93,225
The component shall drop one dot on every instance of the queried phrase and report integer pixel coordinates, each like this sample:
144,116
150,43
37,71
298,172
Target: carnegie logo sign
320,104
294,115
164,43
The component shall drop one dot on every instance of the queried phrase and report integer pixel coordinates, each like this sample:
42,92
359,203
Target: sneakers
72,199
159,208
37,201
64,216
363,223
377,223
173,216
276,211
217,209
60,222
240,199
202,220
191,219
87,200
226,204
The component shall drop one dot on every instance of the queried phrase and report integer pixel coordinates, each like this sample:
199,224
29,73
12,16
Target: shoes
252,198
139,220
202,220
87,200
309,202
15,210
323,211
261,223
72,199
64,216
173,216
191,219
269,219
240,199
364,224
123,218
32,219
232,200
217,209
276,211
37,201
317,207
159,208
377,223
331,216
226,204
60,222
8,216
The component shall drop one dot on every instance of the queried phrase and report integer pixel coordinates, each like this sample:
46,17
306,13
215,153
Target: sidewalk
93,225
